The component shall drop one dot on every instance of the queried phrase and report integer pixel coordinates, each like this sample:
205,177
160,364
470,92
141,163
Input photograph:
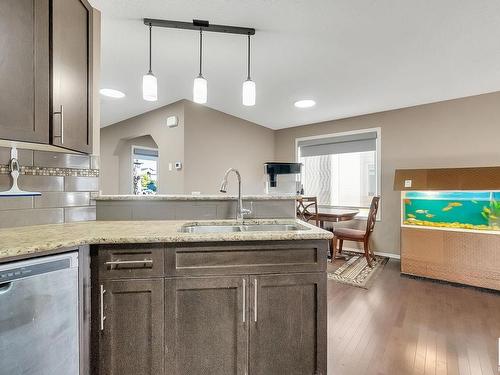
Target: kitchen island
193,207
166,297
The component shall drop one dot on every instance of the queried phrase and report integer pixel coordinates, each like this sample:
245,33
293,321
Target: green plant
491,213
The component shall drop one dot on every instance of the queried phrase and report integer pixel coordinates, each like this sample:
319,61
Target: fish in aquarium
451,205
422,211
411,216
430,216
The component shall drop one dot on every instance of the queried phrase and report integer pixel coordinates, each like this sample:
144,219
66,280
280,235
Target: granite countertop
188,197
27,241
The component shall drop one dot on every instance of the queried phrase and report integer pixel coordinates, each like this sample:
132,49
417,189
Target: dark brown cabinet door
24,70
206,326
288,324
131,334
71,35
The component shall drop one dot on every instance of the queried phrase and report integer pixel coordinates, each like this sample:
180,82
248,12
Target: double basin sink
234,228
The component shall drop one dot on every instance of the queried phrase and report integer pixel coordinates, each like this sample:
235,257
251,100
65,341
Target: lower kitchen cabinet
149,320
206,331
287,333
131,338
212,323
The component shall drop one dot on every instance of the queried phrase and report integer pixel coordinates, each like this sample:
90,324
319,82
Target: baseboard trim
452,283
388,255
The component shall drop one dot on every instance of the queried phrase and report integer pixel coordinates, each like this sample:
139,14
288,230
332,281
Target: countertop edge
186,197
93,235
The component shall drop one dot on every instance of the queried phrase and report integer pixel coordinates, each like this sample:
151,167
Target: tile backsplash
68,182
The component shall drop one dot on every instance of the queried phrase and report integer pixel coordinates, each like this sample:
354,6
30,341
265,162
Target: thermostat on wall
172,121
178,165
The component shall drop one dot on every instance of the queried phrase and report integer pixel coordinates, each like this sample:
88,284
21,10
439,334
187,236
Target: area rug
356,271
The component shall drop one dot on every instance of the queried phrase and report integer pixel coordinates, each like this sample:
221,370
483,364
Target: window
342,169
144,170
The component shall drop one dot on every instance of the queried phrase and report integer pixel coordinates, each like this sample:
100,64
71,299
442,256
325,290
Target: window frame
378,159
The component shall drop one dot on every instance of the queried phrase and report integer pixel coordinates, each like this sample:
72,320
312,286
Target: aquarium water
458,209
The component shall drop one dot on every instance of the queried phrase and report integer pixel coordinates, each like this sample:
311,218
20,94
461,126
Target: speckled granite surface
187,197
28,241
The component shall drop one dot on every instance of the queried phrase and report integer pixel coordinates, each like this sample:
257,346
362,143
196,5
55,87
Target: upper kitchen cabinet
45,72
24,70
71,72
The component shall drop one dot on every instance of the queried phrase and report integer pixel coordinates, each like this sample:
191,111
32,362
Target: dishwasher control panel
10,274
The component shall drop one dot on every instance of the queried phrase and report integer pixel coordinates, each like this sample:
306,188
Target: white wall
216,141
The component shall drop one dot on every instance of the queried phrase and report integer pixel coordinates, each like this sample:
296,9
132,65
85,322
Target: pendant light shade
149,87
149,81
200,90
248,93
200,86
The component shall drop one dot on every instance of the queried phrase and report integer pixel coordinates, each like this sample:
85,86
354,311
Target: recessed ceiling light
110,93
306,103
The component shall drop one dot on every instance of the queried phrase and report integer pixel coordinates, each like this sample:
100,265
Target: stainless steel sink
210,229
241,228
271,227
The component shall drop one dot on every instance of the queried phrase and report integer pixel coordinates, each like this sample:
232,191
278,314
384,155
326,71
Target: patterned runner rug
356,271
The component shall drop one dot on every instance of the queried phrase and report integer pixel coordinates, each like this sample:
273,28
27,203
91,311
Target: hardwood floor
406,326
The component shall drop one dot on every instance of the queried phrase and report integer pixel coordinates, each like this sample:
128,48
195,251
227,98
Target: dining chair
358,235
307,209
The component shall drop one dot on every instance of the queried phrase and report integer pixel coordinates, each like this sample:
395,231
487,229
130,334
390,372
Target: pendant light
149,82
200,83
249,85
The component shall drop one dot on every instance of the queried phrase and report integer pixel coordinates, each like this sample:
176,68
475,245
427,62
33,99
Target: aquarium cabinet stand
460,257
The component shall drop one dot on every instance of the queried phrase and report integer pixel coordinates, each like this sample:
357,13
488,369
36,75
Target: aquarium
467,210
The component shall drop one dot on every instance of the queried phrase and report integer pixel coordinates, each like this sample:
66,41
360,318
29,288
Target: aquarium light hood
450,179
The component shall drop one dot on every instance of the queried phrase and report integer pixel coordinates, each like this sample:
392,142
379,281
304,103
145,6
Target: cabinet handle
129,262
61,113
244,299
255,300
103,318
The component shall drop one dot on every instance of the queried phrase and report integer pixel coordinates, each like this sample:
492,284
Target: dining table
335,215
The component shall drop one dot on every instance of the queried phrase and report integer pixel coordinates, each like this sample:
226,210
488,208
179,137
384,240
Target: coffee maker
283,178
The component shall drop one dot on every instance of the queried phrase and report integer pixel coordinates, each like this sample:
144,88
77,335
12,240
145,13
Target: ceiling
352,56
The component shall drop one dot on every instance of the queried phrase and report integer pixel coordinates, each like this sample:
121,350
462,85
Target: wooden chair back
372,216
307,209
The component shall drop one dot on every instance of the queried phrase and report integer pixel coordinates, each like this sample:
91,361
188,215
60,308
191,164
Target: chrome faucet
240,211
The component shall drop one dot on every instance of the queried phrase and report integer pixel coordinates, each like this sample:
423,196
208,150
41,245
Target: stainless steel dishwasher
39,316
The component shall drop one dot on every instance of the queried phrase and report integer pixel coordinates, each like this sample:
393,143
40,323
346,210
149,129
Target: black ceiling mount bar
199,25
